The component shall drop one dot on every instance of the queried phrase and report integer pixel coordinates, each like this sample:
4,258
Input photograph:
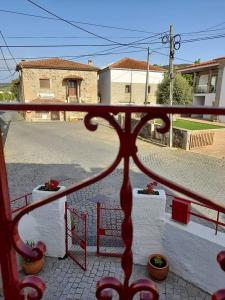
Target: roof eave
57,68
196,68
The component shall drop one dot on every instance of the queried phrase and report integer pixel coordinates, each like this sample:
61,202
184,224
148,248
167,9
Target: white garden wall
46,224
148,225
192,250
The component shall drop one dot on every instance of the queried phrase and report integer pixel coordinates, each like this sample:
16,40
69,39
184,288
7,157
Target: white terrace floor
65,280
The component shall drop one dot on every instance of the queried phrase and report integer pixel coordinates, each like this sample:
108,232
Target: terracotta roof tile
55,63
129,63
203,64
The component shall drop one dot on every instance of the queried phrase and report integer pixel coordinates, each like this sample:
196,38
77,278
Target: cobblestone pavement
65,280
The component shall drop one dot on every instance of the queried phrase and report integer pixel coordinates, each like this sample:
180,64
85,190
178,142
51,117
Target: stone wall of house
32,90
136,96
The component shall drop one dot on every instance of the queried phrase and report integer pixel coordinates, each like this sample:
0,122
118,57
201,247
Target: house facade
208,84
56,81
124,82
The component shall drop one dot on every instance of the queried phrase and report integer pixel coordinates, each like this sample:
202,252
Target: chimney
90,62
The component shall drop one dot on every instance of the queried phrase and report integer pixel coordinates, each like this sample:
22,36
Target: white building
208,84
124,82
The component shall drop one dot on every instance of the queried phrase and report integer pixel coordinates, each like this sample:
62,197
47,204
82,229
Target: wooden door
72,88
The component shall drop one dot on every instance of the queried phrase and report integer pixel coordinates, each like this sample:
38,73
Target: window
149,89
212,88
127,88
44,83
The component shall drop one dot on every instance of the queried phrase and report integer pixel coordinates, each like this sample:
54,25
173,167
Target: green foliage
158,261
197,61
182,91
8,91
189,78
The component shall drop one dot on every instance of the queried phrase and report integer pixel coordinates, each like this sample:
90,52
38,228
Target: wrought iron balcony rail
11,242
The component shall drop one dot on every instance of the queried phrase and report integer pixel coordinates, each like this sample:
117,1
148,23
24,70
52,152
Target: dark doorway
55,115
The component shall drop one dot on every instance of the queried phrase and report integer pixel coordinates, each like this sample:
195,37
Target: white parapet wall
192,250
46,224
148,216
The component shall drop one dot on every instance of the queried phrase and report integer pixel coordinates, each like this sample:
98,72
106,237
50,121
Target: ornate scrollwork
37,286
127,149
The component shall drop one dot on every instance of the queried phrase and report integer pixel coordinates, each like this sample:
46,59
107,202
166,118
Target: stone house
56,81
124,82
208,84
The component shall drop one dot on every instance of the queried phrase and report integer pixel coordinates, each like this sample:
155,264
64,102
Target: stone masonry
31,86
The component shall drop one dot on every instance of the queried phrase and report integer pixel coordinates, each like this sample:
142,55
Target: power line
69,37
7,47
204,38
7,66
78,56
132,44
175,57
202,31
70,23
77,22
11,75
76,26
68,45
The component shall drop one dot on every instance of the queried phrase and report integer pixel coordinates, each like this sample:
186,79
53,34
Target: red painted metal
201,216
76,236
181,210
10,240
20,202
109,242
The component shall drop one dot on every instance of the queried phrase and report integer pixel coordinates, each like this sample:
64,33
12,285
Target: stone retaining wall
182,138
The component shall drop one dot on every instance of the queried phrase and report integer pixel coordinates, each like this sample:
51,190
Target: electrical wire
72,56
7,77
7,47
7,66
77,22
76,26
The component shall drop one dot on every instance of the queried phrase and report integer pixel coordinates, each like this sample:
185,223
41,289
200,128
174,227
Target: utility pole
147,76
171,76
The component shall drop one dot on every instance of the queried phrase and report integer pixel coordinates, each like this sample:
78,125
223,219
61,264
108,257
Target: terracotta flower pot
158,273
33,267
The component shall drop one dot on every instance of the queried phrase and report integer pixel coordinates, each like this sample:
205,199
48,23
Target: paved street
36,152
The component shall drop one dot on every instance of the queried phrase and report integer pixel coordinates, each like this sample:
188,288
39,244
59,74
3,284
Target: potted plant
158,267
50,186
149,189
32,267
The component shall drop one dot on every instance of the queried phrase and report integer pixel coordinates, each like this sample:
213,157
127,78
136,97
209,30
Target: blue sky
148,15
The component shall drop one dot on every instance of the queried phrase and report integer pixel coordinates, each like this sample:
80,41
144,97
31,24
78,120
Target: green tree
197,61
189,77
182,91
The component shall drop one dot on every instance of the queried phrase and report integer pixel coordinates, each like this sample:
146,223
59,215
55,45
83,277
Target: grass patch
190,125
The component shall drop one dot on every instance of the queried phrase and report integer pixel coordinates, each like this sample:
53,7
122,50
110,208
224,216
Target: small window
149,89
44,83
127,88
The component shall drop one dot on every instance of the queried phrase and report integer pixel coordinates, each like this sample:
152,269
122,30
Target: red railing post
8,260
66,227
84,216
217,221
98,227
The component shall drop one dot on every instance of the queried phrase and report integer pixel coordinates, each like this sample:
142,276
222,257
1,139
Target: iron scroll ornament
127,150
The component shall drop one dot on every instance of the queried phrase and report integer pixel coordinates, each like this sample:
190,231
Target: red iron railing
200,215
109,242
20,202
11,242
76,236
